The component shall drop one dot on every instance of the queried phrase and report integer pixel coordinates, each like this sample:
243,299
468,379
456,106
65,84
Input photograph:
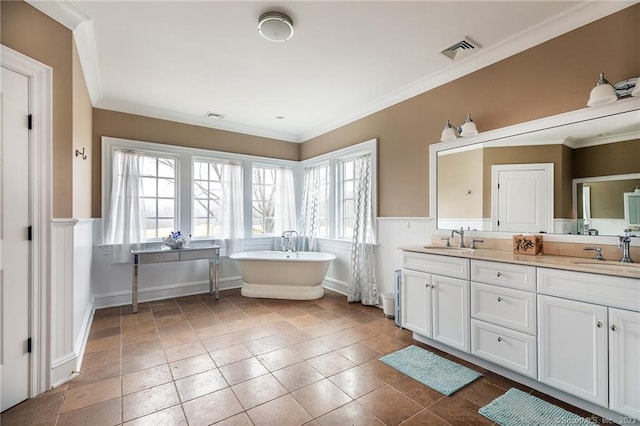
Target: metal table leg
134,292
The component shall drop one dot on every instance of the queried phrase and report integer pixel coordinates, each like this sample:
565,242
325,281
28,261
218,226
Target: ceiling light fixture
275,26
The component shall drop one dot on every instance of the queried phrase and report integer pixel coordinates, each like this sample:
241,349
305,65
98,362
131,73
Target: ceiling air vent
465,46
214,115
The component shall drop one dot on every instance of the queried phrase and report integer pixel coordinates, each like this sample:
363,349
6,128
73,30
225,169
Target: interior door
14,223
522,197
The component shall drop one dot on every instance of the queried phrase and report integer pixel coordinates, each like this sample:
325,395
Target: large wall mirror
575,173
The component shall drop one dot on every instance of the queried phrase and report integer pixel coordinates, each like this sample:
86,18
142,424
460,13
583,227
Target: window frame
333,159
184,178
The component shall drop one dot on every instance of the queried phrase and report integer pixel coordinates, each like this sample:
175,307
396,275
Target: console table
157,255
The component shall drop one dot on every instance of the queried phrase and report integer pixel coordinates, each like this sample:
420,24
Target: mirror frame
585,114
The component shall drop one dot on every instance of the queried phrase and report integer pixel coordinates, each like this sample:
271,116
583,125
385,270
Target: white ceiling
178,60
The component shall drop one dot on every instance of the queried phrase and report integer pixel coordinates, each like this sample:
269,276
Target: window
263,205
207,198
158,176
324,187
347,190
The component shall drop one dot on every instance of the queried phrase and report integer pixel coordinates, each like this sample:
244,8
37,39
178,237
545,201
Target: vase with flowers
176,241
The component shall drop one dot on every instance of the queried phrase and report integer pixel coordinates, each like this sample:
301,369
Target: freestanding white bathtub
283,275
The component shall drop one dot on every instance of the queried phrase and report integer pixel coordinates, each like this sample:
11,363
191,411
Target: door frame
496,169
40,170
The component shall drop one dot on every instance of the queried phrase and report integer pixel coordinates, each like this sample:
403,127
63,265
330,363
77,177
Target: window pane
166,188
200,227
150,207
166,207
200,170
151,228
200,189
166,167
148,166
149,187
200,209
165,227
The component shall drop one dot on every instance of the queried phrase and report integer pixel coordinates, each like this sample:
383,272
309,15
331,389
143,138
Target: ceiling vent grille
214,115
467,45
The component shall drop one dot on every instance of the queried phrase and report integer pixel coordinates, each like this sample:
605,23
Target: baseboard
336,285
121,298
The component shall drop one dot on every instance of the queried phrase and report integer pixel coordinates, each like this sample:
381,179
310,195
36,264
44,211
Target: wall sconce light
636,89
81,154
603,93
468,128
450,133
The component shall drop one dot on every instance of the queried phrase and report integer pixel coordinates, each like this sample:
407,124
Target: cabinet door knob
499,274
499,339
433,286
499,299
613,327
599,324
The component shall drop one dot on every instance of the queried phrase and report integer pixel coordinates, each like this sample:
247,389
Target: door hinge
30,233
29,345
30,121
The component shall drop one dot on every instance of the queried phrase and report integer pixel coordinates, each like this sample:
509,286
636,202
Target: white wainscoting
71,304
475,223
394,232
337,277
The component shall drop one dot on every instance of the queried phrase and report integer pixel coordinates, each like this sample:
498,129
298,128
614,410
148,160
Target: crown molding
61,11
180,117
575,17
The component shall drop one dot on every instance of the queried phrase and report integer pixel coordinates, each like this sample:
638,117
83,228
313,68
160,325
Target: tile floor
240,361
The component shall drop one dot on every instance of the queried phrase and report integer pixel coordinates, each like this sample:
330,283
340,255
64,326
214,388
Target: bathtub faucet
287,244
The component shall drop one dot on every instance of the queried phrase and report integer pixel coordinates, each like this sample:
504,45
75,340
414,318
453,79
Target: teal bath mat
517,408
430,369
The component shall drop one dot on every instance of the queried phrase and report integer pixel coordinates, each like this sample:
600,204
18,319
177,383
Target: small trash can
388,304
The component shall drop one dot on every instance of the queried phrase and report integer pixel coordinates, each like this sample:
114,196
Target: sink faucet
624,242
461,233
287,244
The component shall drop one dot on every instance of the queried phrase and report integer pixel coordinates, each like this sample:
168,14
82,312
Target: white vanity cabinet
435,298
624,362
503,315
589,337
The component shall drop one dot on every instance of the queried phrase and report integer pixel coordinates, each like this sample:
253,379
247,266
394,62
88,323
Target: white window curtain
232,209
285,201
310,209
362,277
125,222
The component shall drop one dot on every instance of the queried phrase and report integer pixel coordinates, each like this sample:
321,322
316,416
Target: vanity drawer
197,254
169,256
521,277
506,348
502,306
617,292
449,266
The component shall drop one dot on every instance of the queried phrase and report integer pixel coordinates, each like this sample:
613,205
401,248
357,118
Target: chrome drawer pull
499,339
599,324
499,274
499,299
613,327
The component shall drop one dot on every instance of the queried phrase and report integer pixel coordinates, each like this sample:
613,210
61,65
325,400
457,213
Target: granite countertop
579,264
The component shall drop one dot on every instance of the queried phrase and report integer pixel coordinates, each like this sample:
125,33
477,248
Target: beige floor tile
149,401
359,353
144,379
284,411
298,376
106,413
200,384
330,364
258,391
83,396
212,408
356,382
321,397
189,366
389,405
230,355
350,414
241,419
279,359
183,351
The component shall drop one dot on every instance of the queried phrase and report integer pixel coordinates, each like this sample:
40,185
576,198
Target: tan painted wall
82,128
605,160
455,181
25,29
129,126
548,79
607,199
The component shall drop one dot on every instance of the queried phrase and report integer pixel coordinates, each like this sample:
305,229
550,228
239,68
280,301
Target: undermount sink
611,266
